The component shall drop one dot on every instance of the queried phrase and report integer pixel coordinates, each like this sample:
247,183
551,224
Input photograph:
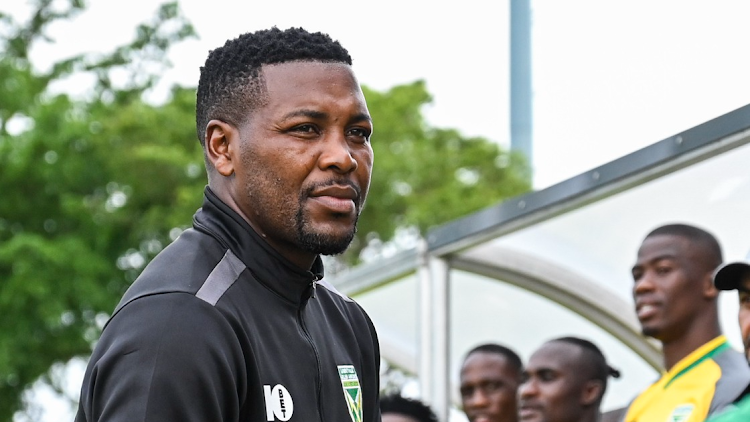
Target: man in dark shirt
232,321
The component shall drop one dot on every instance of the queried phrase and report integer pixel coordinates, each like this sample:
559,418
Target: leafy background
93,186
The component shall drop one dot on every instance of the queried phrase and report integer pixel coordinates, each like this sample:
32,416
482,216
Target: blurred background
100,167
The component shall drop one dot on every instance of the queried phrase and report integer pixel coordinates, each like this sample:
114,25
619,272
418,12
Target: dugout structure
557,262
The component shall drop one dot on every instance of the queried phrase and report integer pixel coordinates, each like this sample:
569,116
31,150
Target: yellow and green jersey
704,383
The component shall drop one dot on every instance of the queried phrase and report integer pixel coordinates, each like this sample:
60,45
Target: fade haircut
509,355
231,84
593,359
705,240
396,403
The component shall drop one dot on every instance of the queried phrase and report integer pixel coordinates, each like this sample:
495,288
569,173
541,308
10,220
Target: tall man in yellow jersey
676,303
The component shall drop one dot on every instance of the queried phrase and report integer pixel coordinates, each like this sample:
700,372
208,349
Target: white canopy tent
557,262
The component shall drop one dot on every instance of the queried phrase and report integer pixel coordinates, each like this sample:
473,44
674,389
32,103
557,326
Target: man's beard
321,243
650,332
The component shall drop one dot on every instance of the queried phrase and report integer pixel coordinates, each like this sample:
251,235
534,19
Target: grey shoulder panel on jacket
205,271
221,278
329,287
735,378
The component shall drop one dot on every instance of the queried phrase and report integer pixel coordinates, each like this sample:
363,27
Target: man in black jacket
232,321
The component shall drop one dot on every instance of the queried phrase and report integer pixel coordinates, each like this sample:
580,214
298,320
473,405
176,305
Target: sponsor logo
279,403
352,391
681,413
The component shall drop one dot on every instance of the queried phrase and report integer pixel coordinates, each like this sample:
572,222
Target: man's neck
678,349
594,416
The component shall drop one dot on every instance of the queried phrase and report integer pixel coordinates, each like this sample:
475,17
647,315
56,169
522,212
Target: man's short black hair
396,403
594,359
231,83
706,240
509,355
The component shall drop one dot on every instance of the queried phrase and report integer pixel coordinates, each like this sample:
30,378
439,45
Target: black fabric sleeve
166,357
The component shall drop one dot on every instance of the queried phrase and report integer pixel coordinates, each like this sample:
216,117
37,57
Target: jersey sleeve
166,357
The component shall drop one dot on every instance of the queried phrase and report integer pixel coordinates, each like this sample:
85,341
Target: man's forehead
556,354
744,286
485,365
663,241
664,246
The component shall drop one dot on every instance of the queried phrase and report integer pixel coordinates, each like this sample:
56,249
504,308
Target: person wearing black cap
736,276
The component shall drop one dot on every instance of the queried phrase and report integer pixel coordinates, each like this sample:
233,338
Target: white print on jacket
279,403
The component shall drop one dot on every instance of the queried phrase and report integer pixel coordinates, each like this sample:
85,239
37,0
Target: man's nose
479,398
337,154
644,284
527,389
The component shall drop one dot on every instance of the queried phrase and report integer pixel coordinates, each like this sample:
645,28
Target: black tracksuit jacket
220,327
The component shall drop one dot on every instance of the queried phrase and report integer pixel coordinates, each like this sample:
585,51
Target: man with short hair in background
676,303
489,378
564,381
397,408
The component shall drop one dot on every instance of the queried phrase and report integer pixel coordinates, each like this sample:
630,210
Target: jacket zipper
319,383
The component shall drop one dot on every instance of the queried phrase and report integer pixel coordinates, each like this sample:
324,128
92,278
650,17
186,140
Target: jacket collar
218,220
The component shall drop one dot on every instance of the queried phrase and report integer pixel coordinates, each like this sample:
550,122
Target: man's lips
480,417
646,309
336,191
337,198
528,409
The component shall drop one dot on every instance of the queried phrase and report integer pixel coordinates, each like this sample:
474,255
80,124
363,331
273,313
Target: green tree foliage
93,187
89,190
425,176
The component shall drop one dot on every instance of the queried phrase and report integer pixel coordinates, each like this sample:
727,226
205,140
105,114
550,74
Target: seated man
489,379
397,408
564,381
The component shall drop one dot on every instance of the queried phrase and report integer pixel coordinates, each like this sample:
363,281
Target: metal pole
521,93
441,337
425,325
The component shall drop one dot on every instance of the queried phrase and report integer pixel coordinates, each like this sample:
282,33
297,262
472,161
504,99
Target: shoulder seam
332,289
222,277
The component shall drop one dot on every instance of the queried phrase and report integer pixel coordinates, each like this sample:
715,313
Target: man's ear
221,145
709,290
592,390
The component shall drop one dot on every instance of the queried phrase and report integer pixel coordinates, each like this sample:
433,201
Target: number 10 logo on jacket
279,403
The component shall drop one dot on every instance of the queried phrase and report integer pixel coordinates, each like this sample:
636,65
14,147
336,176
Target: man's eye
305,129
547,376
359,132
493,386
663,270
